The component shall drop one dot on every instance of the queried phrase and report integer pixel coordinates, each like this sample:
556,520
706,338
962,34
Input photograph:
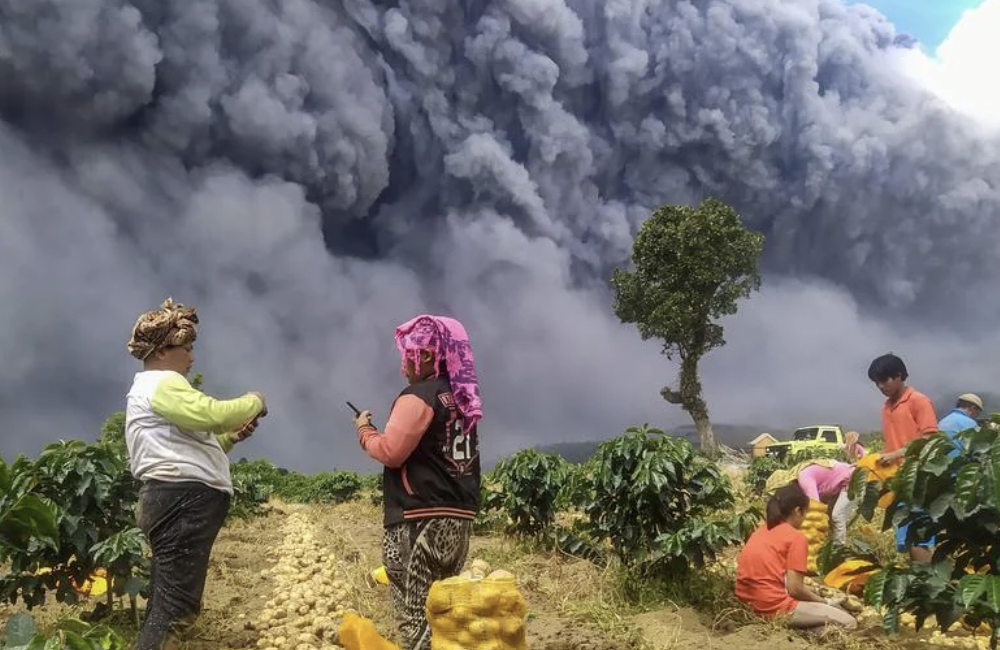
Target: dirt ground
240,586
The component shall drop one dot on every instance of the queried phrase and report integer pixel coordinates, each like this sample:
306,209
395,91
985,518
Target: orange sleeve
407,423
798,552
923,415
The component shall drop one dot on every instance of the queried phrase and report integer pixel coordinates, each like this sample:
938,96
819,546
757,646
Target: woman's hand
888,459
364,419
245,431
796,585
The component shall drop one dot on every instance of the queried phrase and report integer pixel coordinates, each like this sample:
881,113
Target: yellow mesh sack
815,527
359,633
878,473
477,613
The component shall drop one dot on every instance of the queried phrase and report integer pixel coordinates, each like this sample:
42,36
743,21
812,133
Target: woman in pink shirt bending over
829,485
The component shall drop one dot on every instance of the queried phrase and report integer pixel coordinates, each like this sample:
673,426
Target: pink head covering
447,339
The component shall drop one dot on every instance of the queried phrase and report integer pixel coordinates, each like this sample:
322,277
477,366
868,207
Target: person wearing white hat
963,417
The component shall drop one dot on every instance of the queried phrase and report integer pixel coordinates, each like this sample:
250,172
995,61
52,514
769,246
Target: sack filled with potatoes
472,613
816,527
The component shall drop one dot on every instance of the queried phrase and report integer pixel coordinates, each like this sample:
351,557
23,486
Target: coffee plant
91,497
333,487
948,487
27,522
527,488
371,485
256,481
660,504
252,488
760,470
21,633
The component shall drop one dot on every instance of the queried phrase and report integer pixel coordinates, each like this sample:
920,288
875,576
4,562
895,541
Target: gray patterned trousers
416,554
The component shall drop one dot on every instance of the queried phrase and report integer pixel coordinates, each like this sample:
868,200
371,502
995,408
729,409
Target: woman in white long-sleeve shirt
177,439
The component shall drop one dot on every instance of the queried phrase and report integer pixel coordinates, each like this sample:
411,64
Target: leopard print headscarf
171,325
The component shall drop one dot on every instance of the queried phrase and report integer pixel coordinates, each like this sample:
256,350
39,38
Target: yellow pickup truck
825,437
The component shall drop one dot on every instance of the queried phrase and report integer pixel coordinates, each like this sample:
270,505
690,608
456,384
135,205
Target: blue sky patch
929,21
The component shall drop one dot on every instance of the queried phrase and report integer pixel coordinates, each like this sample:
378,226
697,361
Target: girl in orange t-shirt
772,565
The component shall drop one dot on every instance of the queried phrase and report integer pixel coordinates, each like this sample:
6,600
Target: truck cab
824,437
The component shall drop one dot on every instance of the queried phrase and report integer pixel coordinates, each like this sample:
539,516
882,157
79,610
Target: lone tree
692,266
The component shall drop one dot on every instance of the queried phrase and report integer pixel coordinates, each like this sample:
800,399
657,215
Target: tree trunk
705,433
694,404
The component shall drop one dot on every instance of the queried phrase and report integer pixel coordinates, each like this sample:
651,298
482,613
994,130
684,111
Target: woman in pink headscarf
430,450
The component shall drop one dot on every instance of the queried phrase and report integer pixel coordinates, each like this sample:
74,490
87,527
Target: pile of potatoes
958,636
310,598
981,642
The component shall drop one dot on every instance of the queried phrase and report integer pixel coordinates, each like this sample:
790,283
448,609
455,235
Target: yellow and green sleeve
225,441
187,407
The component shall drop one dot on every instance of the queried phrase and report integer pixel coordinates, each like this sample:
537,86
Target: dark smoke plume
311,173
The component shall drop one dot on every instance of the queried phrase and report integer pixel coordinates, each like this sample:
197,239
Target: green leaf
940,505
869,502
991,477
74,625
970,588
73,641
906,479
5,478
858,483
895,588
890,621
28,517
966,500
38,642
992,591
978,440
875,589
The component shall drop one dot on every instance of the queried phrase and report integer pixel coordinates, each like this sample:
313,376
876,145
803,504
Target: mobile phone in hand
357,413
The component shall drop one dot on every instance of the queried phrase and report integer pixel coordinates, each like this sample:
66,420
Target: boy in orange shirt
907,415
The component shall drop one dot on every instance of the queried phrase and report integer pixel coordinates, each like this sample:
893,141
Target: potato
512,628
853,604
